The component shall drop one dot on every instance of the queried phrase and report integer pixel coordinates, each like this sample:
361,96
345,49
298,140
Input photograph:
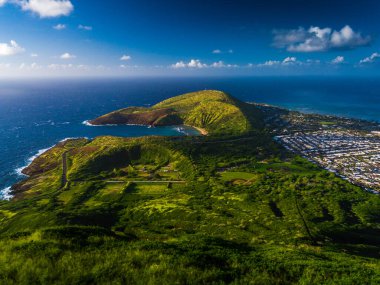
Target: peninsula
210,111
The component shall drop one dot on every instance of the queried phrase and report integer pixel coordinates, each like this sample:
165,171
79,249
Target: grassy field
293,223
230,176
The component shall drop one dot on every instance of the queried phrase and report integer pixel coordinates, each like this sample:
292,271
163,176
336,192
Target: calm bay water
36,114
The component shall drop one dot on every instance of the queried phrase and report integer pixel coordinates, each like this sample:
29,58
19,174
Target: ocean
36,114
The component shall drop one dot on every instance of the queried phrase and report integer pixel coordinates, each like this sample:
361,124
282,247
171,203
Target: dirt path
223,141
64,169
146,181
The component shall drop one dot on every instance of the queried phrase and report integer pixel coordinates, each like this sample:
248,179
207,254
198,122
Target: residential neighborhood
353,155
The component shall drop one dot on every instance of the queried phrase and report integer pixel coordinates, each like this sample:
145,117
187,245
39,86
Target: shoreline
30,160
202,131
6,193
316,113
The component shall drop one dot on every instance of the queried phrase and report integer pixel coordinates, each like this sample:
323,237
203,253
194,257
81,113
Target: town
353,155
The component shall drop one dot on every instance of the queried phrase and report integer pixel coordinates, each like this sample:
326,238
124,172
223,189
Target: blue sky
189,38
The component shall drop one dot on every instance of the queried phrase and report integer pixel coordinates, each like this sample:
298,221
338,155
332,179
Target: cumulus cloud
218,64
289,60
179,64
286,62
85,28
125,57
33,55
47,8
269,63
338,60
317,39
372,58
59,27
67,55
196,63
11,48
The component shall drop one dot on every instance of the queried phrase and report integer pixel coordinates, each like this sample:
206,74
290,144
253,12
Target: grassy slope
214,111
288,222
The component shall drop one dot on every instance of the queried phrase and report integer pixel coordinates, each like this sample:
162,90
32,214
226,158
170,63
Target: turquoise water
36,114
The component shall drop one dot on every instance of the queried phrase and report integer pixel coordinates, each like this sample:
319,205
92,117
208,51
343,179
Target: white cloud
3,2
47,8
125,57
317,39
269,63
372,58
59,27
85,28
33,55
196,63
67,56
218,64
347,38
289,60
286,62
338,60
179,64
11,48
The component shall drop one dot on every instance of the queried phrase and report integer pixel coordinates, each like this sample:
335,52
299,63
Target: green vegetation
214,111
204,210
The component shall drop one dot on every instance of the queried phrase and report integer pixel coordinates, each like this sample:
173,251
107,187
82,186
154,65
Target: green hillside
187,210
214,111
165,211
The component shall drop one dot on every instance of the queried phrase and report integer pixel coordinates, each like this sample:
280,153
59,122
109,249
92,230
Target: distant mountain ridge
213,111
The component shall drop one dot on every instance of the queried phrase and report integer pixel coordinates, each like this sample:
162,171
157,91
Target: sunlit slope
101,160
198,212
214,111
